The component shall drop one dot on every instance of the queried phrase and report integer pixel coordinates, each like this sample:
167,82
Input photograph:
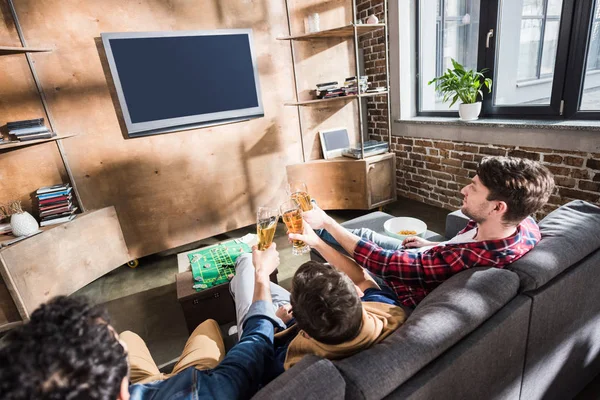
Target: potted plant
22,223
459,83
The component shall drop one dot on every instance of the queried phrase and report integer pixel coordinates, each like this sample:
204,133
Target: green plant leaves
459,83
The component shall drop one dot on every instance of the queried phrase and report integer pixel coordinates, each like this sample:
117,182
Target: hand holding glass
266,223
292,217
299,192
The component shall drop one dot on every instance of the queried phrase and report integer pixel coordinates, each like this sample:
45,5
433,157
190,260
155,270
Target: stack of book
56,205
328,90
5,228
353,85
30,129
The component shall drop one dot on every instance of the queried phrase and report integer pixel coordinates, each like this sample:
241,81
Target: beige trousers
204,350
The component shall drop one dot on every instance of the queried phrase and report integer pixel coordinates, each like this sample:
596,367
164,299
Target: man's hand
413,242
285,313
308,236
265,262
316,217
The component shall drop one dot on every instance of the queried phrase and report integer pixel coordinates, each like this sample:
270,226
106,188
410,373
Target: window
456,24
528,46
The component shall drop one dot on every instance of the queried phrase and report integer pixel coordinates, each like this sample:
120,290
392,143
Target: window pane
554,8
531,32
525,52
533,8
590,98
441,38
549,50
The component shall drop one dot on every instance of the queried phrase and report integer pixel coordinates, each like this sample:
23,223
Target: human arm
413,242
359,276
242,369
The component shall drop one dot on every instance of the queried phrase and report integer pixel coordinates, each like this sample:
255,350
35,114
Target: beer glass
292,217
266,223
299,192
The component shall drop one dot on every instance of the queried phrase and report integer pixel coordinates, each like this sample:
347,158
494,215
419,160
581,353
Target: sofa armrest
455,222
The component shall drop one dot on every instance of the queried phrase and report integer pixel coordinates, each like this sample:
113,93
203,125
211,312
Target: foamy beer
299,192
266,223
292,217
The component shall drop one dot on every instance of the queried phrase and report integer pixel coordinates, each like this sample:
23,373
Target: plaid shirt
414,274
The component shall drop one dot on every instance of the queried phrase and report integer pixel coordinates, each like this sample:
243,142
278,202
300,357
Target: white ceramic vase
469,112
23,224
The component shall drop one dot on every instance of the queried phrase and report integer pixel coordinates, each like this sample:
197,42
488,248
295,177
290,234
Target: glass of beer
266,223
299,192
292,217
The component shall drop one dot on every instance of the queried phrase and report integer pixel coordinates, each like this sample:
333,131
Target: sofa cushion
446,315
312,378
569,234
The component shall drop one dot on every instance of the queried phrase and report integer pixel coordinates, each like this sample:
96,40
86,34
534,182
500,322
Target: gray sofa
530,331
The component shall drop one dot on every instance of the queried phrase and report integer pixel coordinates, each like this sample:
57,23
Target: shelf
5,50
343,31
341,98
32,142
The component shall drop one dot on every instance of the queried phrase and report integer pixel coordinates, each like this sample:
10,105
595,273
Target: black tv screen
168,81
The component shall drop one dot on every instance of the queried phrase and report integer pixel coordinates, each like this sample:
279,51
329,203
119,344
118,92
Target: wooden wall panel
176,188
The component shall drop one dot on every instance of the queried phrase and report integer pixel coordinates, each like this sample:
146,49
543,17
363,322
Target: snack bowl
394,226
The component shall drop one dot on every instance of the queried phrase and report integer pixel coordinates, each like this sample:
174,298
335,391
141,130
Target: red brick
593,164
580,173
559,170
424,172
441,183
535,149
461,156
574,161
461,180
470,165
442,175
460,172
576,153
433,152
553,158
419,149
424,143
565,182
524,154
492,151
418,164
444,145
433,167
435,160
597,177
452,162
466,148
589,185
578,194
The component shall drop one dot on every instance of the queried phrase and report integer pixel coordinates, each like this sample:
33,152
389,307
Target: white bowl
394,225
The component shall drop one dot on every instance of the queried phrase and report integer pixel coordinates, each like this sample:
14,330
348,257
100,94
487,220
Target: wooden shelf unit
342,183
341,98
6,50
17,145
340,32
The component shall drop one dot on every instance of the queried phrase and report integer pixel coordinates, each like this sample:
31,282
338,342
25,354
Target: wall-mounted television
172,81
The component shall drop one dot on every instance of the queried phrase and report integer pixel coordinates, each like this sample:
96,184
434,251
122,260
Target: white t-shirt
466,237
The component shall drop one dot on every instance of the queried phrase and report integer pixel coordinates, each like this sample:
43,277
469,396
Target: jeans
383,241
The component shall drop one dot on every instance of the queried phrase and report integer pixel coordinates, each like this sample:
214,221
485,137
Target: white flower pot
23,224
469,112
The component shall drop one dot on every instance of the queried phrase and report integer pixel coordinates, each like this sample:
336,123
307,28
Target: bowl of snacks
403,227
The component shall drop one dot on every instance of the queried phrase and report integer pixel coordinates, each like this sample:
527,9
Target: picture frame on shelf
333,142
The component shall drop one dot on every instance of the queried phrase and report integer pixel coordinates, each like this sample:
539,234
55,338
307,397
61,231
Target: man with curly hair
69,350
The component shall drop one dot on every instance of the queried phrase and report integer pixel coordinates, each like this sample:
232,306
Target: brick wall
373,44
434,171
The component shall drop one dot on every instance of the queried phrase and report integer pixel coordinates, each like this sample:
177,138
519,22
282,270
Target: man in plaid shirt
498,201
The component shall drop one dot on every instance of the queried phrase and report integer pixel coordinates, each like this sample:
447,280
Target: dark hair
325,303
524,185
66,351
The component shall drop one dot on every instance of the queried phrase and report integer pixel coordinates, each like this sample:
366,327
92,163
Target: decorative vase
23,224
469,112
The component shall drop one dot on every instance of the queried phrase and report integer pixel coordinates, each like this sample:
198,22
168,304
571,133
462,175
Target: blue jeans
383,241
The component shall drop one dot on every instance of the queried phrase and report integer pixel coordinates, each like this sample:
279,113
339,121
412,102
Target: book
53,188
319,85
60,215
55,206
47,196
5,228
28,131
58,220
36,136
59,210
25,123
54,200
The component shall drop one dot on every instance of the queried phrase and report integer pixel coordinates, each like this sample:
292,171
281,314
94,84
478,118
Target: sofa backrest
312,378
569,234
446,315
